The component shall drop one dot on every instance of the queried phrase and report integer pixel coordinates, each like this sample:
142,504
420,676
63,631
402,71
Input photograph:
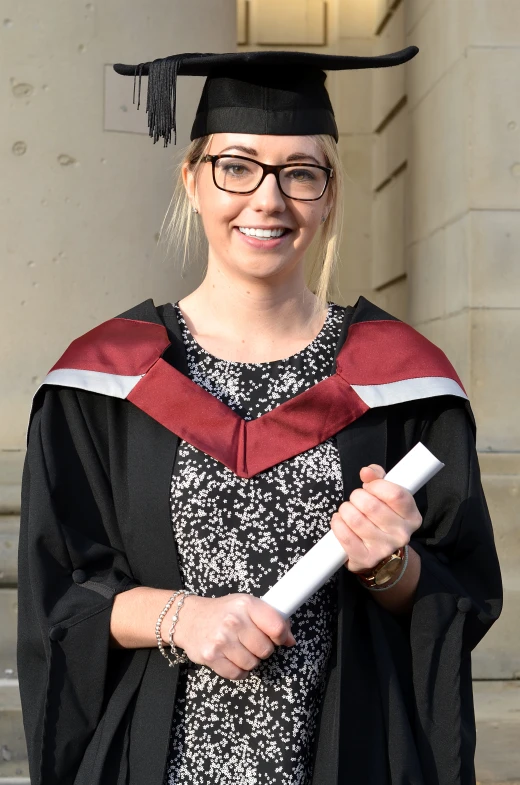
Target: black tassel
140,67
161,98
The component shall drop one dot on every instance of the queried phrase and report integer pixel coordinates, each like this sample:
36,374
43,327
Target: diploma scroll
326,557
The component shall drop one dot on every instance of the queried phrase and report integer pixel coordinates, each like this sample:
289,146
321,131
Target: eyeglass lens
297,182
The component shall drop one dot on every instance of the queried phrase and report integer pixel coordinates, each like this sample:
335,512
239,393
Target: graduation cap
267,92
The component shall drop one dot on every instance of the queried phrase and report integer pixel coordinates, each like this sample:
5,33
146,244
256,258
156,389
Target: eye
236,169
300,175
233,167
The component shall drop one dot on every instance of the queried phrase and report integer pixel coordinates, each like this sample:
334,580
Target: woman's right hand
230,634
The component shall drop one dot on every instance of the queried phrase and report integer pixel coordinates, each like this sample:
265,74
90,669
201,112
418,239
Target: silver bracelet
386,588
179,658
158,627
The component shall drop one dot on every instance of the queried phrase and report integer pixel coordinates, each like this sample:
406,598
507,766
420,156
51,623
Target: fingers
370,518
271,623
260,644
384,503
227,669
355,547
254,645
246,633
374,522
369,529
394,496
360,555
229,658
255,641
240,656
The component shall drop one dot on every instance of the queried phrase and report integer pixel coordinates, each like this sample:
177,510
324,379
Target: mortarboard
267,92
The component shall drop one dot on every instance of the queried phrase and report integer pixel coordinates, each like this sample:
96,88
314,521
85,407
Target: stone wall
85,194
84,203
461,245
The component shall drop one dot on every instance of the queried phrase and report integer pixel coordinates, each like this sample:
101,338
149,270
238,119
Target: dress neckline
200,349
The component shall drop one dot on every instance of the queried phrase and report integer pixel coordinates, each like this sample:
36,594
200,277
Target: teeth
261,232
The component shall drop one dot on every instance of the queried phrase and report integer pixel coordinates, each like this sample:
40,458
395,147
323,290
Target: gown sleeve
456,540
71,564
459,594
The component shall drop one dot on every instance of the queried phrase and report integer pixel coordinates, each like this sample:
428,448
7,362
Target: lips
262,242
251,231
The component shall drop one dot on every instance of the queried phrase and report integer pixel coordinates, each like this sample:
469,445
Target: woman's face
225,214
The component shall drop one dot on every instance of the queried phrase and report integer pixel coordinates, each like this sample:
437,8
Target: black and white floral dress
241,535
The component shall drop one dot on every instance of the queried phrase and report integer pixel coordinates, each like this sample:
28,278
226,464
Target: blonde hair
185,232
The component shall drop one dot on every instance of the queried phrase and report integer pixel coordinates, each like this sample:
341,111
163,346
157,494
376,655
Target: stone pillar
389,165
370,108
462,237
351,93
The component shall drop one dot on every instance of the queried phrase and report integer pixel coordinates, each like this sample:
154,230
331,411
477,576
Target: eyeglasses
239,175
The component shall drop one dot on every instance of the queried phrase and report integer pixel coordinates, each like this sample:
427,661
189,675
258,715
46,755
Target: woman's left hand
377,520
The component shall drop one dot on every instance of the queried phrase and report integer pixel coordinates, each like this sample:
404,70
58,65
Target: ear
188,179
329,202
328,209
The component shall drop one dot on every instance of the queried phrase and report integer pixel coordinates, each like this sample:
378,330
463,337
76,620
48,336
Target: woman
241,420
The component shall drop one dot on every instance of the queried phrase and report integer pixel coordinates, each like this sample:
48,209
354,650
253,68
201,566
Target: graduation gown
96,521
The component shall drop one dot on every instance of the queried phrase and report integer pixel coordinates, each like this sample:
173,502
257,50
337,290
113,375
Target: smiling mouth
264,234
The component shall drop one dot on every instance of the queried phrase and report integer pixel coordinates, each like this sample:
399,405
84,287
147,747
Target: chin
261,269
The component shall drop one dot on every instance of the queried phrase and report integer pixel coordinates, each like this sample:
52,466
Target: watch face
388,571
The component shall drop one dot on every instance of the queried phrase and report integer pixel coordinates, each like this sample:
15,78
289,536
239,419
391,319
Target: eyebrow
252,151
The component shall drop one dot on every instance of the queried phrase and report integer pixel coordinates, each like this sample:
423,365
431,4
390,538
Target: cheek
308,217
218,210
310,223
212,201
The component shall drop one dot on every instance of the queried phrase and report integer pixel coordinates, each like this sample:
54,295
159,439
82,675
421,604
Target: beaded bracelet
179,658
158,627
386,588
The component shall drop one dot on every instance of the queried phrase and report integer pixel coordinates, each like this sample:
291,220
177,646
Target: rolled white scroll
321,562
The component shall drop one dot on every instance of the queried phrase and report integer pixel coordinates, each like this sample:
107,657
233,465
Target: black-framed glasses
240,175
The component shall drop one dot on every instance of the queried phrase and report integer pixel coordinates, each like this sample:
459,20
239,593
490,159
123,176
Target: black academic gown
398,707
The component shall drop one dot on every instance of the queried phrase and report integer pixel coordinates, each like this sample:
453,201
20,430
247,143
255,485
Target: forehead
265,146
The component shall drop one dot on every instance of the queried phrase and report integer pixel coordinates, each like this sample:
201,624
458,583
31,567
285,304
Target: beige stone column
462,238
389,165
351,93
371,110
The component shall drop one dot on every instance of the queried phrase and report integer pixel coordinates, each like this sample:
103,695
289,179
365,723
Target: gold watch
384,571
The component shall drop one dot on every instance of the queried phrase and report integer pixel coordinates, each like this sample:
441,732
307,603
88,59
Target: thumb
372,472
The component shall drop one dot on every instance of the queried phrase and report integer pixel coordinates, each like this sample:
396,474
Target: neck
255,311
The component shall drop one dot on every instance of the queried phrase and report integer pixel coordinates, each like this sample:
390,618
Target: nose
268,196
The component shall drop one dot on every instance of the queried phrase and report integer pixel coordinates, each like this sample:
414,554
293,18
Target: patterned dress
241,535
